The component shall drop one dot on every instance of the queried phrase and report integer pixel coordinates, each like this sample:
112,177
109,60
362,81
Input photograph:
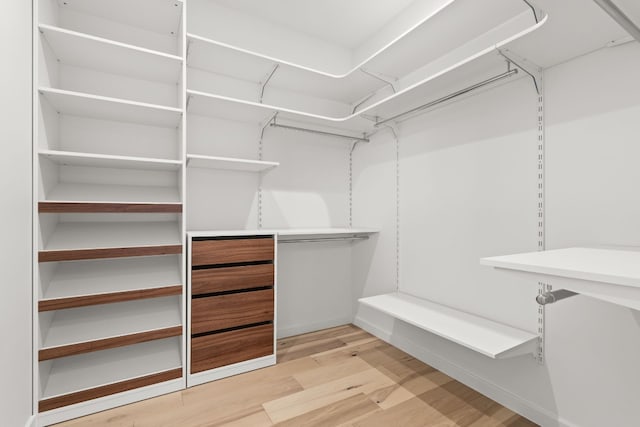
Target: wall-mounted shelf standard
229,163
75,379
612,275
87,329
84,50
106,108
485,336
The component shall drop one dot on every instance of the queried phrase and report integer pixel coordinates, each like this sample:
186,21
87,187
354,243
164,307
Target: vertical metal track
542,287
353,147
260,154
397,167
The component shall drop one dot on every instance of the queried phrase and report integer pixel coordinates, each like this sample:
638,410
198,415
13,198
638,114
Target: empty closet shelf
88,376
87,51
69,158
90,240
106,108
229,163
320,234
96,193
84,283
485,336
612,275
87,329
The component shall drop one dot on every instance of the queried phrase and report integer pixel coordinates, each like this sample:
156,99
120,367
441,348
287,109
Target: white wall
15,183
468,190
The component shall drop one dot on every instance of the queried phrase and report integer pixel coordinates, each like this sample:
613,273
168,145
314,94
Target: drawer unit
232,285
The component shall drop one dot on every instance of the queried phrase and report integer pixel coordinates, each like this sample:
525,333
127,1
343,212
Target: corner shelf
229,163
484,336
611,275
106,108
84,283
87,51
72,241
87,329
88,376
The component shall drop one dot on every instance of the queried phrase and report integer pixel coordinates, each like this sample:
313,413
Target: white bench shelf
612,275
487,337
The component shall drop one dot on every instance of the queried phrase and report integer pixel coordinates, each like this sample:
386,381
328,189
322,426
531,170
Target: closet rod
620,17
450,96
323,239
319,132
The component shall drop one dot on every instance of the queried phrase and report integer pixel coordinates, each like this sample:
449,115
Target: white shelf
99,235
105,108
229,163
165,18
394,58
96,193
608,274
84,324
487,337
311,233
86,371
83,50
68,158
454,71
99,277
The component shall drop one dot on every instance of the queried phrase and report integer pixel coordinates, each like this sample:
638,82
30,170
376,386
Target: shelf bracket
549,297
620,17
263,85
534,71
537,13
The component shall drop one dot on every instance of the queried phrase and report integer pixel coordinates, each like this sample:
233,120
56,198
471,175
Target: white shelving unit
107,108
87,371
87,51
96,278
484,336
611,275
229,163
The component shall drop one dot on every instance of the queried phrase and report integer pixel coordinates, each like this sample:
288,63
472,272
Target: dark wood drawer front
231,278
226,348
210,252
229,311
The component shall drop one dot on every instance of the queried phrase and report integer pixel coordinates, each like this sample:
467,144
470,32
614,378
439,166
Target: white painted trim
504,397
96,405
31,421
312,327
227,371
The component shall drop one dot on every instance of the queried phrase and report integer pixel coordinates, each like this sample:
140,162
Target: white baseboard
31,421
290,331
504,397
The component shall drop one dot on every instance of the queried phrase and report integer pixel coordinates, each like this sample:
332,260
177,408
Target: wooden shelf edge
106,390
83,254
107,298
105,207
107,343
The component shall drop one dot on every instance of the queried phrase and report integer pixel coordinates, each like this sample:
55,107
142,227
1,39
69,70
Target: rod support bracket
550,297
533,70
265,82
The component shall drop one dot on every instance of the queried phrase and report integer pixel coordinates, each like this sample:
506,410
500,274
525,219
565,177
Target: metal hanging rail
620,17
453,95
318,132
323,239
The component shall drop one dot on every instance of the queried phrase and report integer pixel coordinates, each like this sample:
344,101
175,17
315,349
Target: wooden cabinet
232,304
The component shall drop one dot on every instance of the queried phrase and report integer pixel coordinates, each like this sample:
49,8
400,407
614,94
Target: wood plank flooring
336,377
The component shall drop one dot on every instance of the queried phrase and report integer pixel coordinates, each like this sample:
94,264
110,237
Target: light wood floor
336,377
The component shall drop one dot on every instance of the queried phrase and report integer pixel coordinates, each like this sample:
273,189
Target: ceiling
339,22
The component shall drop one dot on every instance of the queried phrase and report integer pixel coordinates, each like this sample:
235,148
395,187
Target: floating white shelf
98,235
608,274
99,277
105,108
394,58
68,158
79,325
458,69
229,163
83,50
165,18
319,233
91,370
96,193
485,336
